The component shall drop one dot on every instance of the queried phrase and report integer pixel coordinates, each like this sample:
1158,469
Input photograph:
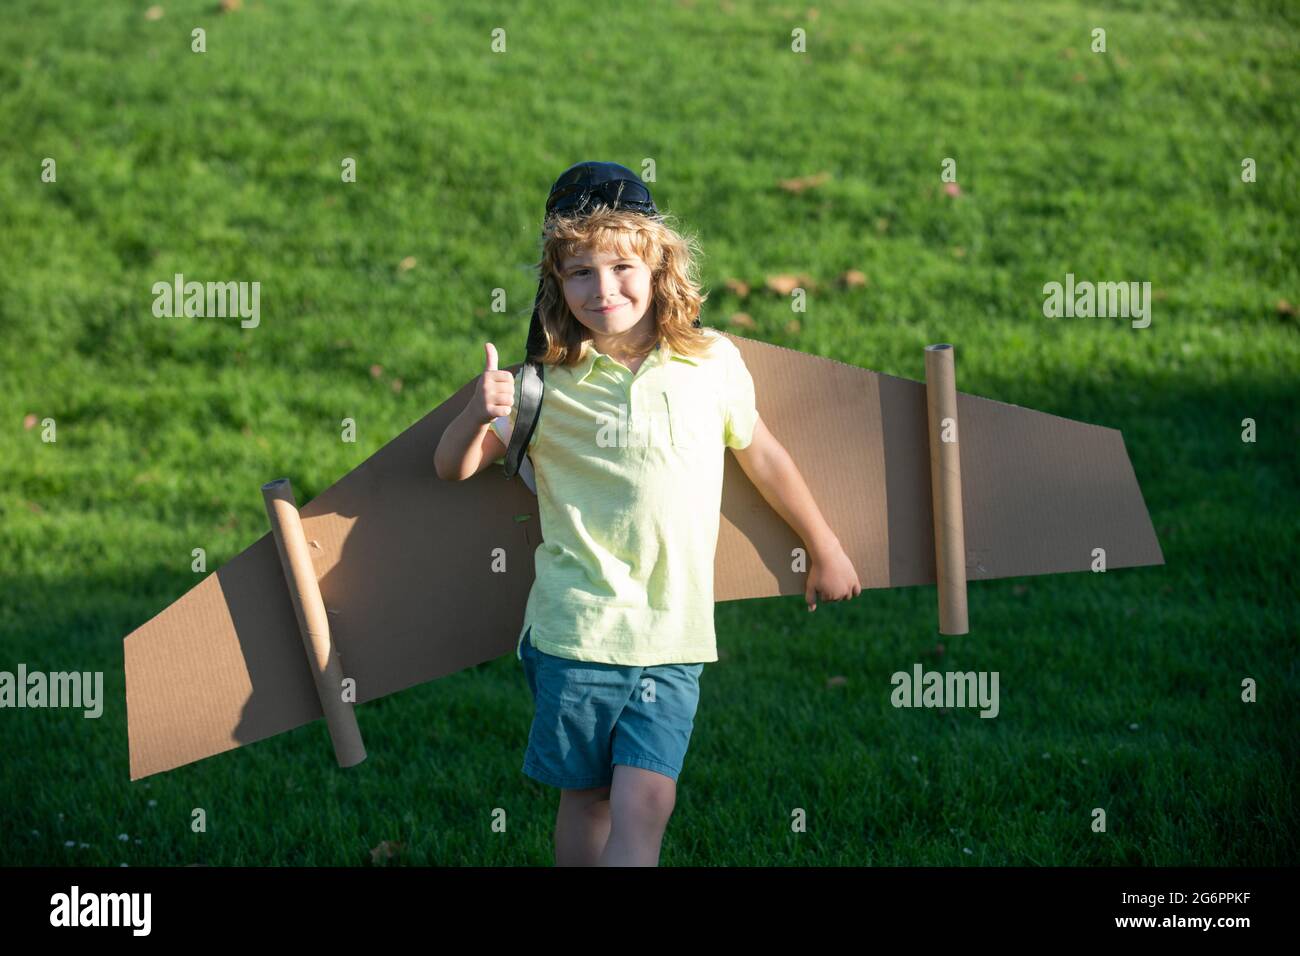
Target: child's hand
494,395
832,577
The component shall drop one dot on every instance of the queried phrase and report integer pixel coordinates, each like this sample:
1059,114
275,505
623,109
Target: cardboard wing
410,567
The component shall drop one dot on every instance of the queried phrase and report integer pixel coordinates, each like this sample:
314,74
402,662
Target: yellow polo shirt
629,488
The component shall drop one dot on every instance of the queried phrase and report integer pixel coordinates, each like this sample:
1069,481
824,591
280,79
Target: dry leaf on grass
782,285
386,850
785,284
801,183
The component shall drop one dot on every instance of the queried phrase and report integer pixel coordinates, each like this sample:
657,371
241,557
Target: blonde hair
671,257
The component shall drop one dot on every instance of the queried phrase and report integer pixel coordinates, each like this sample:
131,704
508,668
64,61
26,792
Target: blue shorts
591,716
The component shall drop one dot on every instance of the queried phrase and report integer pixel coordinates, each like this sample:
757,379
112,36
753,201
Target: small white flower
1132,726
1045,756
121,864
967,850
60,816
70,843
123,837
36,833
1085,759
84,845
153,803
914,758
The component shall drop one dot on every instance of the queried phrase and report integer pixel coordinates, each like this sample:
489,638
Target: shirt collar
662,353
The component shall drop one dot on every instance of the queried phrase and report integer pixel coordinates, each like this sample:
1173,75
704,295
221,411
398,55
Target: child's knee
645,795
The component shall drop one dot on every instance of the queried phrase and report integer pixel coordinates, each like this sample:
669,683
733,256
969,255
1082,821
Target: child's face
593,282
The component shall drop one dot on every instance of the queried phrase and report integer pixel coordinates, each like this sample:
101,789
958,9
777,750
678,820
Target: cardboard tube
304,592
945,488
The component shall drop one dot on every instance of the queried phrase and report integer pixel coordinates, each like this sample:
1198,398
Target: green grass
1119,691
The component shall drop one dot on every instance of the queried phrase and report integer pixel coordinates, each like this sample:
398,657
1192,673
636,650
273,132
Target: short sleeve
505,424
739,410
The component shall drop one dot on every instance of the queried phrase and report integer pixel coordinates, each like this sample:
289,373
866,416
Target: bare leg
582,826
641,802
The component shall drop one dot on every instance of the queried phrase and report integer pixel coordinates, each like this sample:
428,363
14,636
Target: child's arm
468,445
770,467
478,446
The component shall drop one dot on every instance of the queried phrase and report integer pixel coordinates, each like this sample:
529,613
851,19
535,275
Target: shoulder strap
532,386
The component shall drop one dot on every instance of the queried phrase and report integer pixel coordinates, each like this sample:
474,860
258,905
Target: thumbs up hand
494,395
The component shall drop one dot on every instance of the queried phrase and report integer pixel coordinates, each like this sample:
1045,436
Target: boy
628,452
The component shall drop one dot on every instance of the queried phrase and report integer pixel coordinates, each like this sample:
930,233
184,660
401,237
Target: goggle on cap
584,186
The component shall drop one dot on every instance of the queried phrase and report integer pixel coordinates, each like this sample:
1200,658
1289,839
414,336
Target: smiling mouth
611,308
